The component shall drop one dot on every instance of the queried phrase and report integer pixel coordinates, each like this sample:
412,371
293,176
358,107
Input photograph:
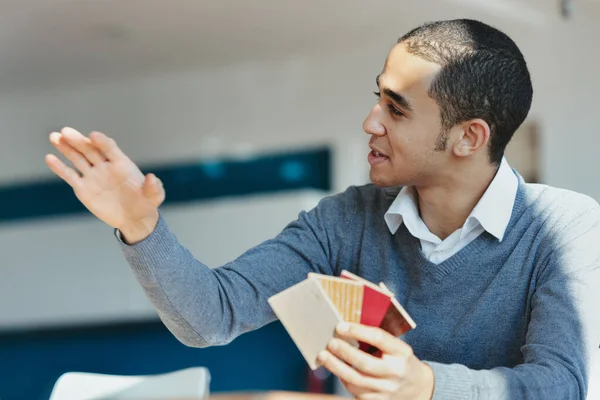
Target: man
498,274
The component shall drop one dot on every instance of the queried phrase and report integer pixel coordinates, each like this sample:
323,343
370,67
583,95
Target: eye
391,107
395,111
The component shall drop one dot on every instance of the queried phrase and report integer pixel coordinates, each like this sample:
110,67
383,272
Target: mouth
377,157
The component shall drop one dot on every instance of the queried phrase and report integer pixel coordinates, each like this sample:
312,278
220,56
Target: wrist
135,231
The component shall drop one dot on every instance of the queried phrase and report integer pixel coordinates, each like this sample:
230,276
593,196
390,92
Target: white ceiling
46,43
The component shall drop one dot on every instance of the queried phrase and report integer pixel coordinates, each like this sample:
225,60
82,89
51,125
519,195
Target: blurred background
249,112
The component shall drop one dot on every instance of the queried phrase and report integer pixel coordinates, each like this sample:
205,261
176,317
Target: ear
474,136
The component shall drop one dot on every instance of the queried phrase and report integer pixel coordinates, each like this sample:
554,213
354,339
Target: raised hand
107,182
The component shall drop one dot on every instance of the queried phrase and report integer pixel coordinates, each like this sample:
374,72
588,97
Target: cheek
412,140
404,142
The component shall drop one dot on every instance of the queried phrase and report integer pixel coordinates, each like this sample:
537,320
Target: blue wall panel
184,182
30,362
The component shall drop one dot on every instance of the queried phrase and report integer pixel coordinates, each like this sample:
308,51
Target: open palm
104,179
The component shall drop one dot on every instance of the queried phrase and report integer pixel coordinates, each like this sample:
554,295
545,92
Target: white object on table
186,383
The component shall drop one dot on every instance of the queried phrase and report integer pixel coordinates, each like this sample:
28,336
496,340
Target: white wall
71,270
240,109
298,99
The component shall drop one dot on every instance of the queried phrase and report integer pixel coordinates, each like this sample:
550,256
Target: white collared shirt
492,214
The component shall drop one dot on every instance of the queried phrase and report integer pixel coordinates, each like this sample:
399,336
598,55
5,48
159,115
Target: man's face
405,124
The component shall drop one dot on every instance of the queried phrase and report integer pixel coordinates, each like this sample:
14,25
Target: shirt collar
492,212
405,209
494,209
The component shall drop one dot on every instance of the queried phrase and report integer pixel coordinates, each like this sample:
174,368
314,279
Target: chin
383,181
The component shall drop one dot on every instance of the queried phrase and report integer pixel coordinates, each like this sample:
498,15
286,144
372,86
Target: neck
445,206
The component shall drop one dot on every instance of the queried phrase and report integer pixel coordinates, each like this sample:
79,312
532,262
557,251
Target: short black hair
483,75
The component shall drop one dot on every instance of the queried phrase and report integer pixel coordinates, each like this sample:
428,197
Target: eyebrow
396,97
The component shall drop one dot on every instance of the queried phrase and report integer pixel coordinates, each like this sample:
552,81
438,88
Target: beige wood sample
309,317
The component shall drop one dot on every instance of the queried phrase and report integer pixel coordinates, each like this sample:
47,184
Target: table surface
269,395
275,395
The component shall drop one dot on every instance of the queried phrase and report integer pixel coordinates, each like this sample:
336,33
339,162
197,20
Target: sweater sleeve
563,331
206,307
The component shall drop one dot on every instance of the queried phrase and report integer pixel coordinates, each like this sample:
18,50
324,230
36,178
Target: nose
373,124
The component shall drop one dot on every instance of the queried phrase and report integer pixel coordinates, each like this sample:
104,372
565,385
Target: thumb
153,189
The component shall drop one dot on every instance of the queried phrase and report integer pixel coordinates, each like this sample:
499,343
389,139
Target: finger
153,188
83,145
351,375
354,390
78,160
374,336
370,396
67,174
358,359
153,183
107,145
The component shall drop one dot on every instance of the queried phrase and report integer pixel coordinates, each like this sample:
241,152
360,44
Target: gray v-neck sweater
510,319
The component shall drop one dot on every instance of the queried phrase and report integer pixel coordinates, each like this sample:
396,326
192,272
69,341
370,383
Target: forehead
408,74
